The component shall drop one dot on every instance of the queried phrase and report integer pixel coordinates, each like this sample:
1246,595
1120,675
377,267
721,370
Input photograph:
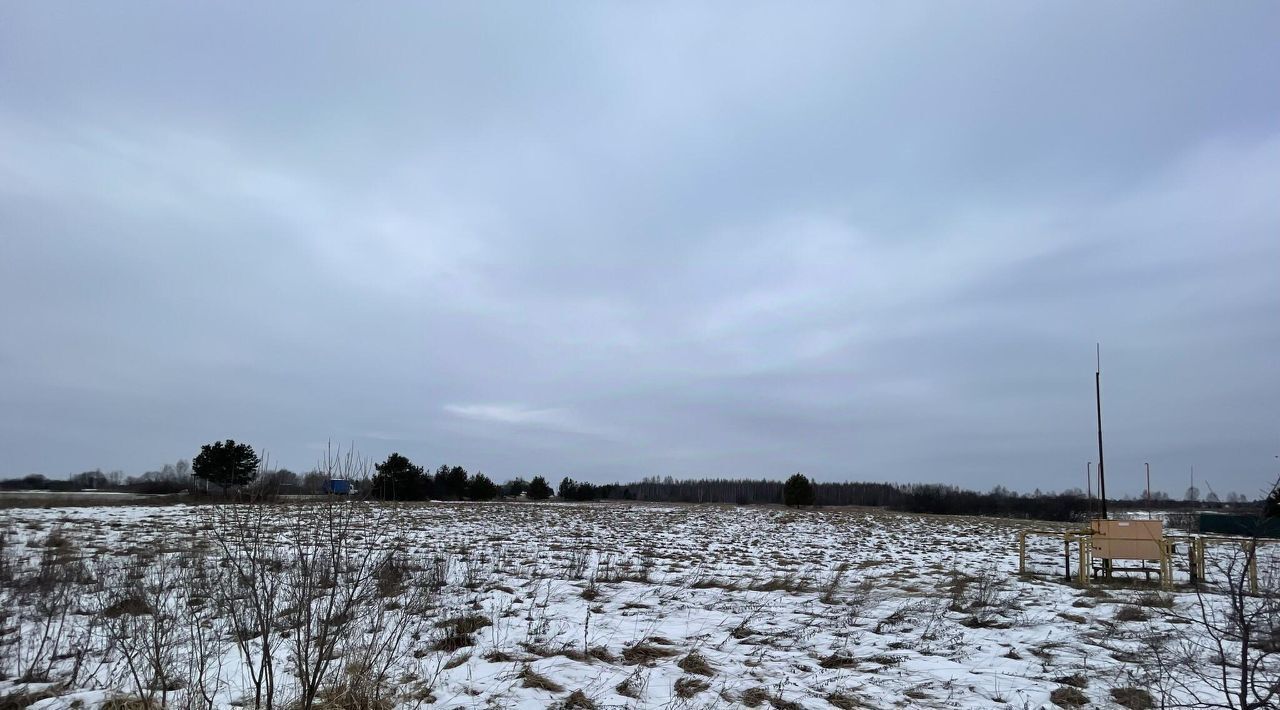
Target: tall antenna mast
1097,391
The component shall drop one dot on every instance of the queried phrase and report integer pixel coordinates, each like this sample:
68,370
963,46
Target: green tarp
1248,525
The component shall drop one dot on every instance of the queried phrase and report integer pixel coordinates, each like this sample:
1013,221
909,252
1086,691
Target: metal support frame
1197,547
1080,538
1084,552
1197,554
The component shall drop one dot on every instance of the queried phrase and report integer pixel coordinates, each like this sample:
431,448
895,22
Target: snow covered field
515,605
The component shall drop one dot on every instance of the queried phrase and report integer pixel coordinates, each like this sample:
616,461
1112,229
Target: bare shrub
248,590
984,596
49,590
143,623
206,635
329,581
1225,649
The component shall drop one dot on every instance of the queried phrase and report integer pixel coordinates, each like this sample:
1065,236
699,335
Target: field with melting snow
515,605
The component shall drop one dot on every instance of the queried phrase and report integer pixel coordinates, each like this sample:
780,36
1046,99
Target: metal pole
1102,475
1253,566
1022,552
1149,513
1066,556
1088,484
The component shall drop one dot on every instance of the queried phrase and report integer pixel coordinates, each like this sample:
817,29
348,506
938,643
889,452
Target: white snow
799,606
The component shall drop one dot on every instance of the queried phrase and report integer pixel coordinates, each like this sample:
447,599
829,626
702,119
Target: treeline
911,497
398,478
236,468
169,478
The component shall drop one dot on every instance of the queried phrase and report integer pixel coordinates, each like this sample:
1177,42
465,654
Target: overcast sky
611,240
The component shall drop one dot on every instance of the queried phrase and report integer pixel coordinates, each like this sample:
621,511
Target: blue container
338,487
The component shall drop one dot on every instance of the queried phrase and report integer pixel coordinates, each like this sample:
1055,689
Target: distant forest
911,497
906,497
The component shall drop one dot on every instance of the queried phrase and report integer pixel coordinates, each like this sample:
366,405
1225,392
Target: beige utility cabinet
1128,540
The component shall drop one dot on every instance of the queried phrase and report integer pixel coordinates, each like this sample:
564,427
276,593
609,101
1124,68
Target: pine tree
797,491
451,481
538,489
398,478
225,464
479,487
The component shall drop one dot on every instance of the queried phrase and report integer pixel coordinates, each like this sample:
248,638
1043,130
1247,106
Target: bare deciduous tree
1224,649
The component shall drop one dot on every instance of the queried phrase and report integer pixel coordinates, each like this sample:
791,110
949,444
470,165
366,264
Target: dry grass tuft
838,660
458,632
742,631
577,699
499,656
1133,698
465,624
630,686
132,606
688,686
1077,680
127,702
529,678
1155,600
789,582
457,660
644,653
844,700
697,664
595,653
25,698
1069,697
1129,612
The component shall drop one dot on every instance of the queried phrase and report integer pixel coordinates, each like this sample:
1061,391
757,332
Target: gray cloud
611,241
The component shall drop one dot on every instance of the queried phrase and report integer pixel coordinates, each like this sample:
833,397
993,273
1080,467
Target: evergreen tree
515,487
398,478
797,491
1271,506
225,464
479,487
538,489
451,481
